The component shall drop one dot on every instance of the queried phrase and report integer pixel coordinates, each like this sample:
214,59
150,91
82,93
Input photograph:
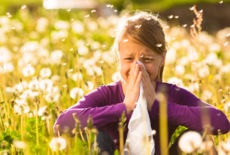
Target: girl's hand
133,88
149,88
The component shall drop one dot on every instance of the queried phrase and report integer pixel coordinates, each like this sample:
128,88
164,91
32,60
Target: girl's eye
128,58
148,59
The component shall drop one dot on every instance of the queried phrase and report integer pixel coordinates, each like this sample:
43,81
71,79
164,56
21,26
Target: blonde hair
145,28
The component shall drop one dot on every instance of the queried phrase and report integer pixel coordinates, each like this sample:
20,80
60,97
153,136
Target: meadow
49,59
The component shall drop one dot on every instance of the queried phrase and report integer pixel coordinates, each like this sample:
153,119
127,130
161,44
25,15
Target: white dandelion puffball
193,56
77,27
83,50
176,81
190,141
116,76
60,24
46,85
183,61
52,97
28,71
89,85
18,88
75,92
179,70
57,144
19,144
41,110
56,56
170,56
194,87
21,102
56,78
204,71
77,76
45,72
33,85
97,70
7,67
207,94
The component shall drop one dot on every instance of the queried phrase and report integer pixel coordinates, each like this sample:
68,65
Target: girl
140,37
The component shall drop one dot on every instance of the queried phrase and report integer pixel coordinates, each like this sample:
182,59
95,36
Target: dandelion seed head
19,144
75,92
190,141
57,144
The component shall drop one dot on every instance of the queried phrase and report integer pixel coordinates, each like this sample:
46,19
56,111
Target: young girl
140,37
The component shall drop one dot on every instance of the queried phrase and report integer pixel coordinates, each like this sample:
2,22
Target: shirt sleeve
188,110
94,103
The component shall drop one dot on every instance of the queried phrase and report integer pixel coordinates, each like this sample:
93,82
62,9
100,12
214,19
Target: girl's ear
163,57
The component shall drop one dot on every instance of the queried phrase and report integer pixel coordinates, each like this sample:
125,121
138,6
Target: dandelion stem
37,140
89,141
163,125
121,137
22,125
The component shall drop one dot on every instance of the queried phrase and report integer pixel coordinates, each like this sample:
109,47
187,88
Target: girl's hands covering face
133,88
137,74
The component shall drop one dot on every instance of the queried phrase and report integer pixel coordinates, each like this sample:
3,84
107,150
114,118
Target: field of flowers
49,59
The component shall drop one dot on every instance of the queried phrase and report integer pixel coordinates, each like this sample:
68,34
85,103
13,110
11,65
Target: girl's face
131,51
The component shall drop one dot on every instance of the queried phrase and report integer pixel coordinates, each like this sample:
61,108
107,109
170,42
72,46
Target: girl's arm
96,104
184,108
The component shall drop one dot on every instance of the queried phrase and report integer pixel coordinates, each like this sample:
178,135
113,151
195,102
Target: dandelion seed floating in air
92,11
225,44
170,17
64,86
115,10
192,8
166,27
125,40
72,19
176,17
103,45
137,26
142,56
192,26
158,45
63,40
23,7
228,35
86,16
221,2
185,25
68,10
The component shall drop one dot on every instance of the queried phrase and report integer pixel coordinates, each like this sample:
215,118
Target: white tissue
140,128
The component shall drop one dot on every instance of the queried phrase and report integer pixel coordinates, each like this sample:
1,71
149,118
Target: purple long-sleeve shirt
106,106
